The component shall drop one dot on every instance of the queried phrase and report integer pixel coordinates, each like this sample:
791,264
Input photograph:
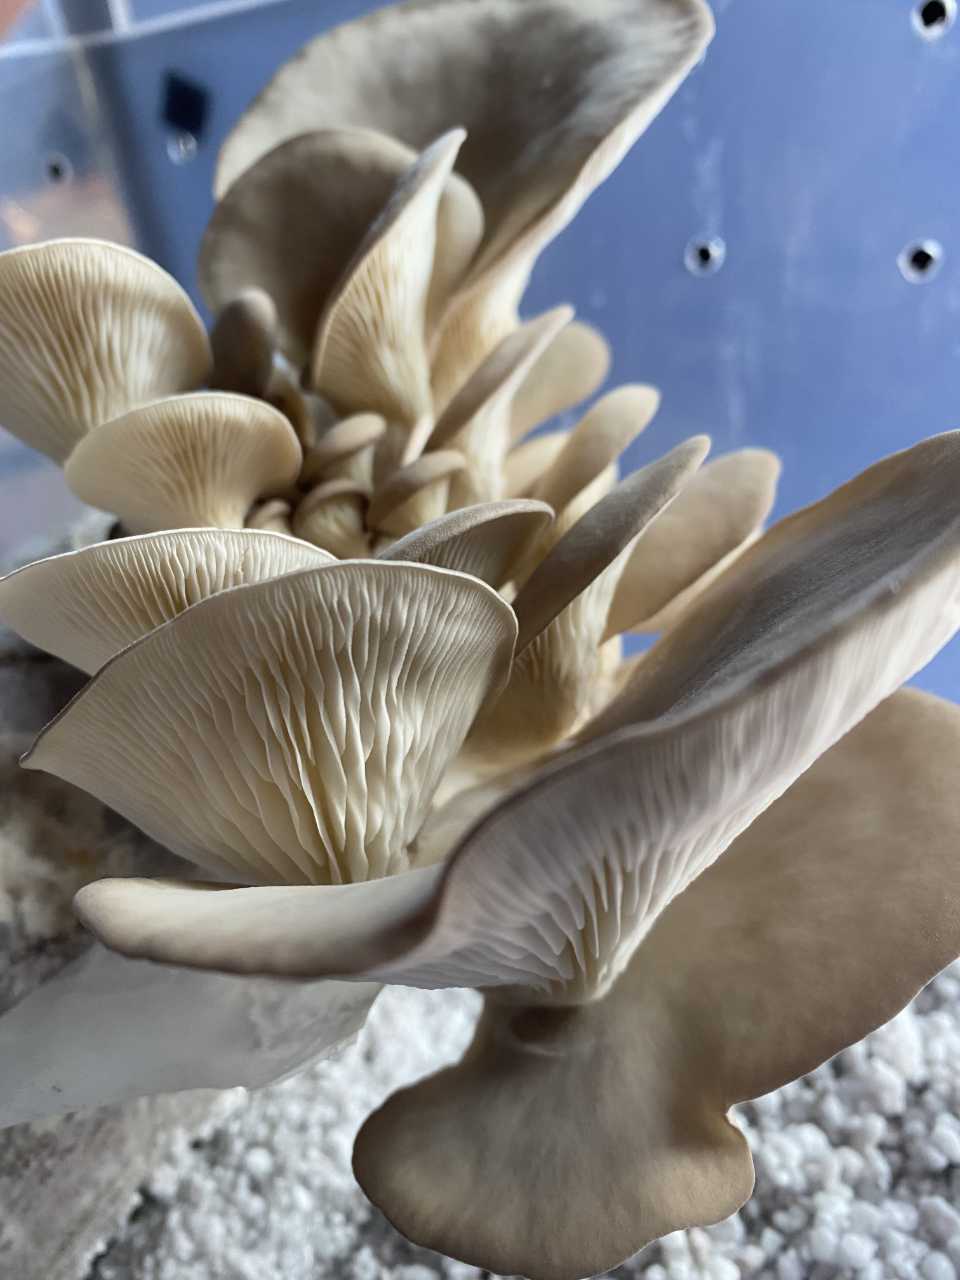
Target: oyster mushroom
484,541
243,341
571,368
525,463
722,510
370,350
186,461
416,493
594,899
88,331
477,420
346,451
327,188
332,515
84,606
584,84
273,516
561,610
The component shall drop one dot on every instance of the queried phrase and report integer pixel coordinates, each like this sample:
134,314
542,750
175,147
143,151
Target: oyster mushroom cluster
355,656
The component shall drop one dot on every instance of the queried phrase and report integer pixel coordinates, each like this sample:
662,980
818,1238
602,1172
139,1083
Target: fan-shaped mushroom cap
332,516
298,727
272,516
243,340
326,189
836,931
416,493
186,461
85,606
585,81
345,452
527,462
550,893
561,610
596,442
723,507
477,420
370,347
89,330
483,541
571,368
821,619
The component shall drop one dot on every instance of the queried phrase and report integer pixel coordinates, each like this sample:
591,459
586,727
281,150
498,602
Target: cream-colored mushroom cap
89,330
370,350
332,516
319,192
412,492
298,727
483,541
571,368
584,81
186,461
84,606
342,443
244,340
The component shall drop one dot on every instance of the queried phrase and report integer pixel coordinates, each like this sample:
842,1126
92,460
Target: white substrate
858,1168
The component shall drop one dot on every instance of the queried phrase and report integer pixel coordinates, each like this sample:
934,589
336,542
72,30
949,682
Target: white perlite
858,1168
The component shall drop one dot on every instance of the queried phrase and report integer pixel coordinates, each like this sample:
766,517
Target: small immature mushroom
309,414
85,606
332,516
345,451
370,347
243,341
186,461
272,516
477,420
569,371
723,507
88,331
416,493
483,541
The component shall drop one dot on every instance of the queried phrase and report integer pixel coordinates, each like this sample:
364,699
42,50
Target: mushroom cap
84,606
835,931
298,727
571,368
88,331
596,442
407,482
243,340
370,350
186,461
324,189
332,516
344,438
723,507
484,540
551,94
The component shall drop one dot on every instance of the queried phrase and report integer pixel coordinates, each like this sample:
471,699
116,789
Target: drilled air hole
58,168
920,261
934,18
704,257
